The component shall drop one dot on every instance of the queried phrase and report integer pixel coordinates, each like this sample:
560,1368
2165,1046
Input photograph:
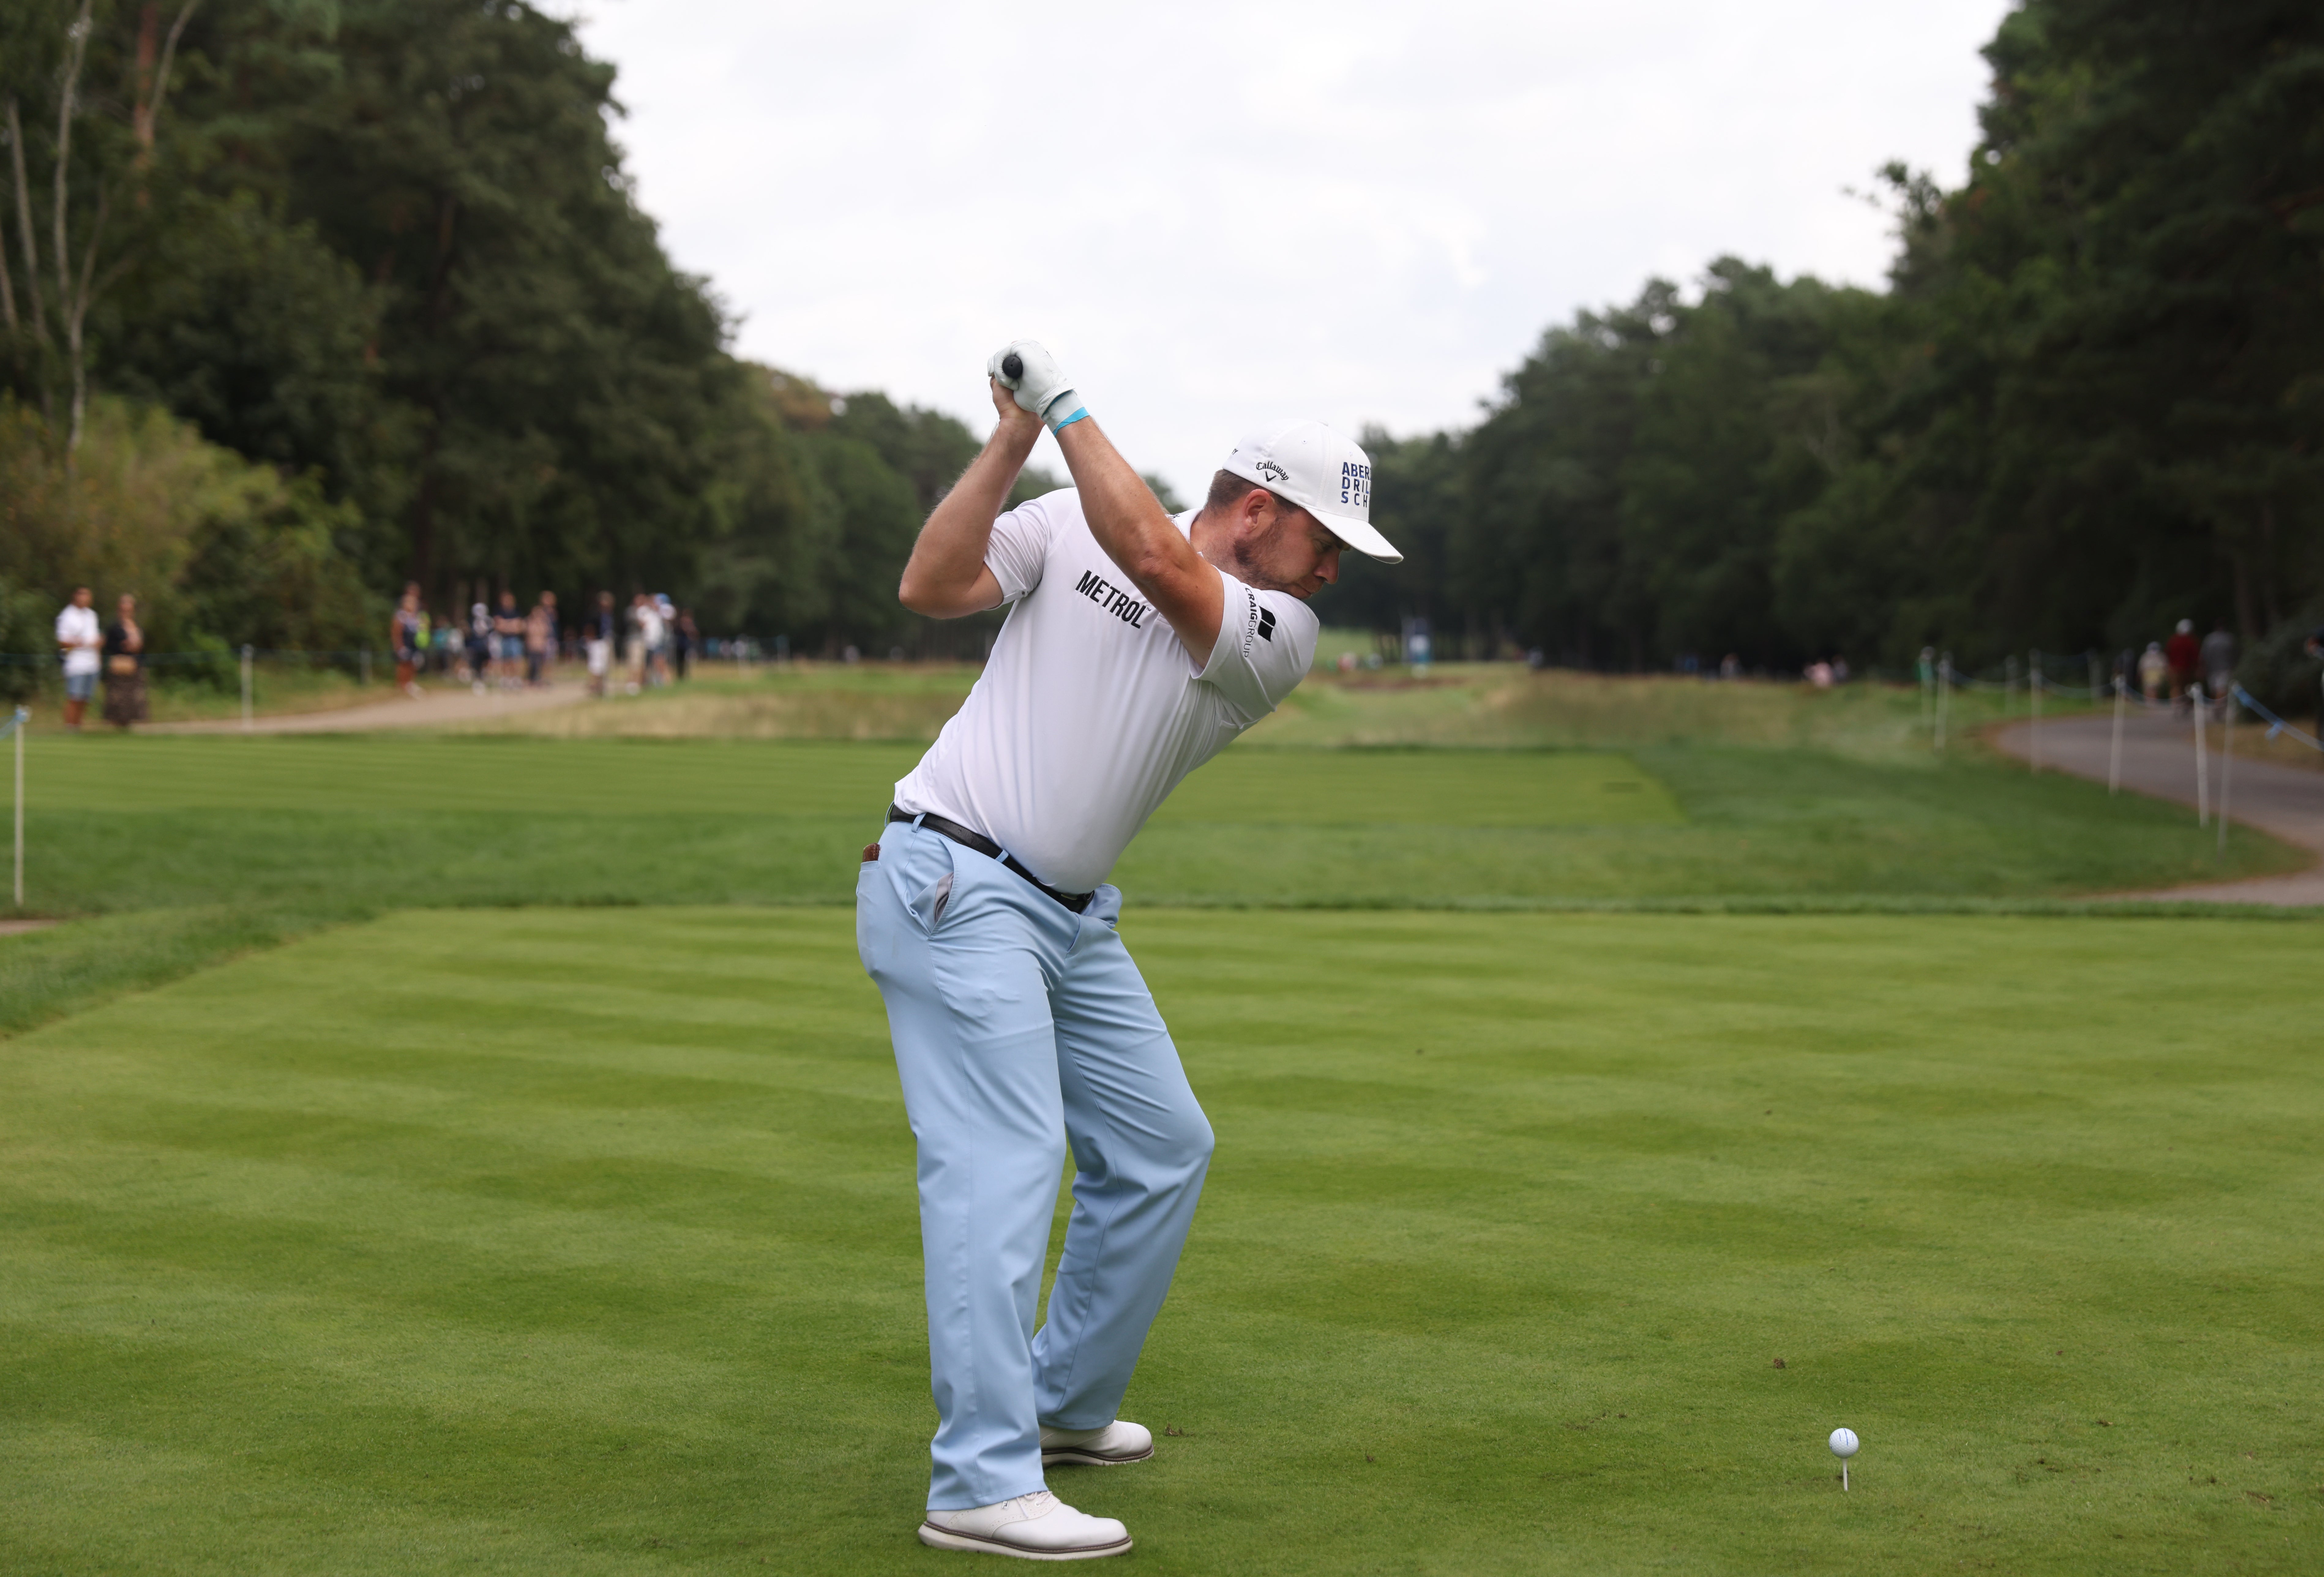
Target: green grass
225,843
582,1242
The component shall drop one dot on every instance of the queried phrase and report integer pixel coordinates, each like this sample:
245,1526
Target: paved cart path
439,707
2158,759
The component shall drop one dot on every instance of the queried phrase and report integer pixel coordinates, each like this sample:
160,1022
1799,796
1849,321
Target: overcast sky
1220,214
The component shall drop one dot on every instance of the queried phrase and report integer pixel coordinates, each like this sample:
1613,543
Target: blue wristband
1079,413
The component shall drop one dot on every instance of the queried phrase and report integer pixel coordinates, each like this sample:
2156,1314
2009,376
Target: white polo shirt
78,633
1090,709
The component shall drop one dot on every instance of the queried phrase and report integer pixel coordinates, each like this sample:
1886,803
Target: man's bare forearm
1129,524
945,577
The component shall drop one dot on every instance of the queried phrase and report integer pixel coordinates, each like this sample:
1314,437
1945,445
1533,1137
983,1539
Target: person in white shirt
1136,647
80,637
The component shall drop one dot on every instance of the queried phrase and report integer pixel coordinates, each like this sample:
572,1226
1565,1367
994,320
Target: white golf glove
1038,384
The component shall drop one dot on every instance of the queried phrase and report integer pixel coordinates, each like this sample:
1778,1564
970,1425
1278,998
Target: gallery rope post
2114,757
16,727
2227,773
2033,696
2202,759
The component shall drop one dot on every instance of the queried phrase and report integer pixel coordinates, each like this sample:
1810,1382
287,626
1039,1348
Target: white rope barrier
2276,725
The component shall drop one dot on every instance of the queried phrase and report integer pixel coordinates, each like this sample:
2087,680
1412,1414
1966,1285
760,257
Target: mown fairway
191,848
582,1241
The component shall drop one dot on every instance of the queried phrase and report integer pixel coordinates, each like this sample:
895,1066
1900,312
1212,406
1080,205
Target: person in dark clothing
480,646
2182,652
2218,659
124,667
406,636
683,639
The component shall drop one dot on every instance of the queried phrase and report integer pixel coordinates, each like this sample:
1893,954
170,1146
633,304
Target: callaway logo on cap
1323,472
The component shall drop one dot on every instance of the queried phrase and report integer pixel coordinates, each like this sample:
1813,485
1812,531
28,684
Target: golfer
1137,648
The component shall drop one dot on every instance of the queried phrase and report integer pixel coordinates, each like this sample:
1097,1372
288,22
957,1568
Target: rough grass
1474,705
583,1242
793,700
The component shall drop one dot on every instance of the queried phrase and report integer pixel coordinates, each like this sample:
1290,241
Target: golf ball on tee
1843,1443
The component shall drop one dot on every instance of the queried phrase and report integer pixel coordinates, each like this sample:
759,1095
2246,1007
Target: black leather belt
968,838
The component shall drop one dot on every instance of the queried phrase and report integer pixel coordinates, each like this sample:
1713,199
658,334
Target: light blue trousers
1019,1025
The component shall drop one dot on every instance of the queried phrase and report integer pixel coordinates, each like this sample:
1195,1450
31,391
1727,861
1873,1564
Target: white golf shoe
1109,1447
1033,1528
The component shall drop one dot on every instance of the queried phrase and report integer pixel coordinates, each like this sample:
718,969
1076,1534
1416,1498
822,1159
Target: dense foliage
2091,402
387,249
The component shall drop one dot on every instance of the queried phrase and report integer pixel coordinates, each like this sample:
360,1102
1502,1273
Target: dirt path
2158,759
441,706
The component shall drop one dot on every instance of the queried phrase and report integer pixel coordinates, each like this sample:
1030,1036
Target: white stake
2033,694
23,717
2113,761
2227,770
2202,761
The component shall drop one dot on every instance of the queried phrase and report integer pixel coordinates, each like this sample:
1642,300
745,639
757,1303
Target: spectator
602,631
2219,661
650,665
684,639
82,640
125,668
539,638
2181,653
407,634
2314,645
665,618
508,638
634,643
480,646
2154,673
1731,667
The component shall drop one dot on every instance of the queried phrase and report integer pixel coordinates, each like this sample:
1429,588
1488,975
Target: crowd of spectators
2177,671
510,648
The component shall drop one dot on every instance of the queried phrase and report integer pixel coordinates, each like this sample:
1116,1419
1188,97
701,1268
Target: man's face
83,596
1294,552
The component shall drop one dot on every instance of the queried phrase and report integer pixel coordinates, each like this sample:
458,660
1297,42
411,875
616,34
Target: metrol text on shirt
1091,709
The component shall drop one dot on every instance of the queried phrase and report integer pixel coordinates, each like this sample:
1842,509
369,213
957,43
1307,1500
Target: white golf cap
1329,476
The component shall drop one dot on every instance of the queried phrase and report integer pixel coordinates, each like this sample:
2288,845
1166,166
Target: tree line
303,299
300,299
2090,402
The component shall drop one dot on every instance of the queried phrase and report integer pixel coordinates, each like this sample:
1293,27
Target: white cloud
1218,213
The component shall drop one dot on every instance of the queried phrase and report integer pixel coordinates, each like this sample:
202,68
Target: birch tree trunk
68,101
